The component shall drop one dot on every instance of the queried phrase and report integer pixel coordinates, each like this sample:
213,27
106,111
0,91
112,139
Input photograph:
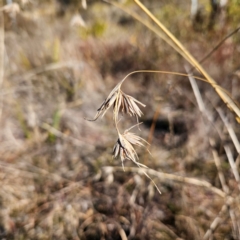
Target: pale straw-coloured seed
124,147
121,102
128,105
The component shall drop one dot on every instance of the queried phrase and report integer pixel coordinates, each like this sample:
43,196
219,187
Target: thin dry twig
219,44
232,164
230,130
168,176
219,219
220,171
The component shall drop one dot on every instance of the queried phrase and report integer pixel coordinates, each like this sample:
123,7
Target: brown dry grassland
59,60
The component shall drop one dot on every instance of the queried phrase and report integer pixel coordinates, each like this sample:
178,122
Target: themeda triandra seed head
124,147
128,105
121,102
108,102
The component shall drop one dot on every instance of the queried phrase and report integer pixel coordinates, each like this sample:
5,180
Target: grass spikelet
108,102
124,147
121,102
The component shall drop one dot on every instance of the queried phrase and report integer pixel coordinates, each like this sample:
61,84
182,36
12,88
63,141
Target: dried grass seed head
108,102
121,102
124,147
128,105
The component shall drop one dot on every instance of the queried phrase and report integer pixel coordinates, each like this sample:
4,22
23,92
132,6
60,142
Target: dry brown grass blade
167,176
218,220
223,214
220,171
232,164
225,97
219,44
227,149
230,130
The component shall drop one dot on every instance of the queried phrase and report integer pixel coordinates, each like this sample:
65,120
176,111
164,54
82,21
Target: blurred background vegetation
59,59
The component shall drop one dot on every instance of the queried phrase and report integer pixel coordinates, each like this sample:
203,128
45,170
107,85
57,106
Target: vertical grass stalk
225,97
